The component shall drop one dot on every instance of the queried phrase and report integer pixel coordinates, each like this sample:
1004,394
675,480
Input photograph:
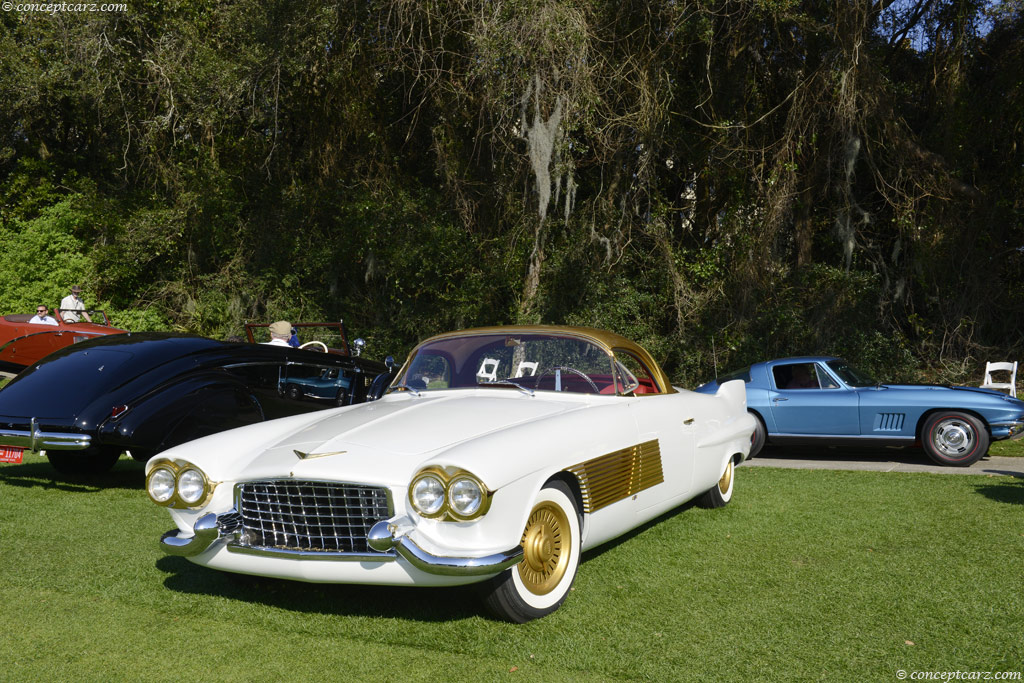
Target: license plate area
11,454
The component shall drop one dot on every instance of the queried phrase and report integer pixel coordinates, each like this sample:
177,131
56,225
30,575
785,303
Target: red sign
11,454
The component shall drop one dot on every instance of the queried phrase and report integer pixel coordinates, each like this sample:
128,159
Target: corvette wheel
720,494
954,438
551,554
95,460
759,436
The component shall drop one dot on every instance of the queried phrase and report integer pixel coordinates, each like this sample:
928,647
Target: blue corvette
815,400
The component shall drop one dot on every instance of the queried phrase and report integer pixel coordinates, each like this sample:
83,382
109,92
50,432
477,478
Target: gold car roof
609,341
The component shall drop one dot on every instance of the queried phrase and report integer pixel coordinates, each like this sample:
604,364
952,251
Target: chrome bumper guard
205,533
35,440
383,537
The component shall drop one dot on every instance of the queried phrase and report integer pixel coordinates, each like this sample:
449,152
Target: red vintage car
23,343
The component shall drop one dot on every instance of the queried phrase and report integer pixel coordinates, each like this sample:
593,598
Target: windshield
536,362
850,375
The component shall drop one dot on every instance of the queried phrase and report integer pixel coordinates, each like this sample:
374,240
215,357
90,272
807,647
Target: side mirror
390,363
358,345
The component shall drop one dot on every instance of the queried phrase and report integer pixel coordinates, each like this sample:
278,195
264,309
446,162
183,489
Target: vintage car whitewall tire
720,494
551,554
953,438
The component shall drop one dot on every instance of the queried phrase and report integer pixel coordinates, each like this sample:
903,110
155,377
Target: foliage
722,181
41,258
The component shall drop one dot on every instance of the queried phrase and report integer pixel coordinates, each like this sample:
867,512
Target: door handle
777,399
688,421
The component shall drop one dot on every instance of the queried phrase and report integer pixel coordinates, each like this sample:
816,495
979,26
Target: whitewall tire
720,494
551,555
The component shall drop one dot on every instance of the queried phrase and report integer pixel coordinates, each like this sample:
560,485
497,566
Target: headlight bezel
428,477
449,477
178,469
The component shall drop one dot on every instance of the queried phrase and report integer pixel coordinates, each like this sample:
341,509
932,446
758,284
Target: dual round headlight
459,495
171,484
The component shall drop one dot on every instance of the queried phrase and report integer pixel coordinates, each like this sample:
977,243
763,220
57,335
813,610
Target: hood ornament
309,456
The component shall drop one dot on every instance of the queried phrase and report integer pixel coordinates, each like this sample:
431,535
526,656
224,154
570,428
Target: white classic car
497,456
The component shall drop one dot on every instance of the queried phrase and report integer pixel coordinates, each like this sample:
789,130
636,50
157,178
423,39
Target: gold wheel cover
547,545
726,481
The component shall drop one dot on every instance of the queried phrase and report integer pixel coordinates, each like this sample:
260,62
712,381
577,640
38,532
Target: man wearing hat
280,332
71,305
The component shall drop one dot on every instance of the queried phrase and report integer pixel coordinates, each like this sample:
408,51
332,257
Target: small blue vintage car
326,385
822,400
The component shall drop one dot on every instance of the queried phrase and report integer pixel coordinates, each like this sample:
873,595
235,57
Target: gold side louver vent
610,478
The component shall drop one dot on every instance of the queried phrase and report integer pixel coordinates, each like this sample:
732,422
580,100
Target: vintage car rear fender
66,383
181,411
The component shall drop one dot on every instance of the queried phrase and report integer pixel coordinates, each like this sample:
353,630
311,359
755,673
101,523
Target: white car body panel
512,441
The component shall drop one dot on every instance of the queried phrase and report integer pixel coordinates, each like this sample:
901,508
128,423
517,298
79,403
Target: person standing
41,317
72,305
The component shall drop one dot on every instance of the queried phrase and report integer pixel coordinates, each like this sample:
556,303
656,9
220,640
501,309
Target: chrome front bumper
385,537
34,439
1007,430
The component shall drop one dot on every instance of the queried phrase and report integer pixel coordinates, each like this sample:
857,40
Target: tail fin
735,393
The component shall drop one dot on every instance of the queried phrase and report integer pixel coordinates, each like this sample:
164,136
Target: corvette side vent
889,422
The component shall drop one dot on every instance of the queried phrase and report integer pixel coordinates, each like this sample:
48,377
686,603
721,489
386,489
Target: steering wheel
567,369
317,346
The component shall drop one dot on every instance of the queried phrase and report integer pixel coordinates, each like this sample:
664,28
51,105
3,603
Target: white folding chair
524,366
1011,368
488,369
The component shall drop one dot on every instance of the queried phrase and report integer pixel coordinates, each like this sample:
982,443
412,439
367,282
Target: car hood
945,388
384,441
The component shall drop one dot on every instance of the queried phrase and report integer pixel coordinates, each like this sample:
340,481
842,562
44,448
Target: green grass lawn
807,575
1013,448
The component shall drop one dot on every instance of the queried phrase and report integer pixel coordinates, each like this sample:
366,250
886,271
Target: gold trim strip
615,476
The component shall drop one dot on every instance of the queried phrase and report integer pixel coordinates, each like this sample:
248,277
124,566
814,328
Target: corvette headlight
178,484
448,494
427,495
160,485
465,496
191,486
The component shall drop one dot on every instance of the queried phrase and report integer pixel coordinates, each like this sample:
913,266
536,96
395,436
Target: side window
637,379
256,376
430,371
826,380
796,376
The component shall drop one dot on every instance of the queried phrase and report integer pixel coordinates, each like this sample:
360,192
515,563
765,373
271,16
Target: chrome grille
309,516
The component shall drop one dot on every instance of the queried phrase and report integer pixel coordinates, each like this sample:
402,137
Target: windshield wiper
507,382
407,387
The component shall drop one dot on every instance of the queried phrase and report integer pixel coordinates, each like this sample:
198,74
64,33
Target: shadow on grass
1011,492
127,474
402,602
629,535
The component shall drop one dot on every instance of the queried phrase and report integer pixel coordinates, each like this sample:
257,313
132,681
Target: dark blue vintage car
142,393
822,400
